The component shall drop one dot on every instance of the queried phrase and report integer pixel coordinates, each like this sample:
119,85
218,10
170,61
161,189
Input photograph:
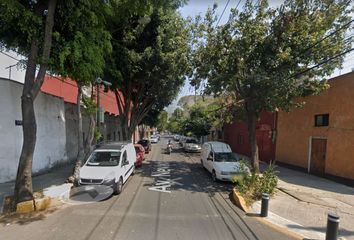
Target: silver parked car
192,145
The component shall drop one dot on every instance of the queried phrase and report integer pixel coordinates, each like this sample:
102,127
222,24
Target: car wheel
119,186
213,176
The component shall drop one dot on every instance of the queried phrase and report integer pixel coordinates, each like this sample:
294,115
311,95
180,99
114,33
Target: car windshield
191,141
104,159
225,157
143,142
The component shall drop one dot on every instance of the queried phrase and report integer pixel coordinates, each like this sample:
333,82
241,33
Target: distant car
221,162
154,139
182,140
110,164
140,155
146,144
176,137
192,145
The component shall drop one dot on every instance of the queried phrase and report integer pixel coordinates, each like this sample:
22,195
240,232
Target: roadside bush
251,186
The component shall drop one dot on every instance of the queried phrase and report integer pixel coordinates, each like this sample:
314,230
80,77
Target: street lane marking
163,181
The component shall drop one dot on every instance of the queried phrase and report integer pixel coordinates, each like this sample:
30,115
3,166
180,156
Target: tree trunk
142,132
251,122
80,141
90,136
23,187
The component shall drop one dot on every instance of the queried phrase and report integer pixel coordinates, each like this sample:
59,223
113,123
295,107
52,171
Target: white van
110,164
220,161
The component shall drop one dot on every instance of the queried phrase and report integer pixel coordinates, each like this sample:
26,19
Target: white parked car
220,161
154,139
110,164
192,145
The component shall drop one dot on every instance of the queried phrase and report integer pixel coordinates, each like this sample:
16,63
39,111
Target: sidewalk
52,183
303,201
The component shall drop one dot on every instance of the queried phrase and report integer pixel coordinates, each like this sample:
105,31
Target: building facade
319,138
236,135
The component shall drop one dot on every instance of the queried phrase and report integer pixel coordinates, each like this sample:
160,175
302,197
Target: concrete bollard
265,205
332,226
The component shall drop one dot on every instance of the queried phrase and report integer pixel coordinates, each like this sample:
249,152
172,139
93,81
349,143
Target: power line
238,4
321,63
329,35
228,1
8,55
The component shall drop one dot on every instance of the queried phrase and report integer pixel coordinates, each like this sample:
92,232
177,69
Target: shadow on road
186,176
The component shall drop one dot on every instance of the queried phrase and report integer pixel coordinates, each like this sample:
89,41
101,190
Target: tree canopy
64,37
148,63
265,57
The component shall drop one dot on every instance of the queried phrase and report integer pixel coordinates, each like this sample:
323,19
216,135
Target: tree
80,48
264,58
48,34
162,121
198,123
175,122
27,26
150,119
148,63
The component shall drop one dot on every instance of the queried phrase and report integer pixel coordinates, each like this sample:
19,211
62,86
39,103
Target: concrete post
265,205
332,226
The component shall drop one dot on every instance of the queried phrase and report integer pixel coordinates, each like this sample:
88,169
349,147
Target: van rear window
104,159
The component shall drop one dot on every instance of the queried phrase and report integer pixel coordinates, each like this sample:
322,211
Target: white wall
51,136
10,58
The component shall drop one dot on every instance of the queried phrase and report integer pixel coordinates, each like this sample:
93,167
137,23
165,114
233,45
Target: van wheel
213,176
119,186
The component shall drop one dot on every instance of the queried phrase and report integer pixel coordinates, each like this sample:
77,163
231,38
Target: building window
118,135
240,139
108,137
114,135
321,120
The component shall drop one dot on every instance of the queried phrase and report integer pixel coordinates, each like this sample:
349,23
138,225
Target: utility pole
10,67
98,83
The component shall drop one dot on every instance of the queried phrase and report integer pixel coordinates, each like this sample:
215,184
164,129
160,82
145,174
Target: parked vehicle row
111,164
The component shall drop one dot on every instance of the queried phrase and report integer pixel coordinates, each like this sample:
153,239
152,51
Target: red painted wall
236,135
67,89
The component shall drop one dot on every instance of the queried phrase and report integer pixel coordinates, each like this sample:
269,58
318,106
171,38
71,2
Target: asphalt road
170,197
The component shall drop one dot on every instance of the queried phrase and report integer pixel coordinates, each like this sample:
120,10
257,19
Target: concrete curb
289,225
241,203
50,199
